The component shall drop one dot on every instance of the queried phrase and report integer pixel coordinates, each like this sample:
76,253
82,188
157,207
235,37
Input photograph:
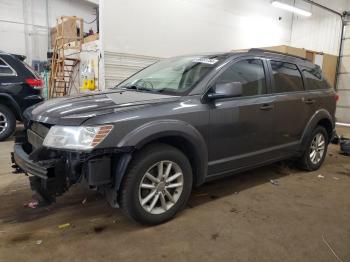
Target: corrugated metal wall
343,107
320,32
119,66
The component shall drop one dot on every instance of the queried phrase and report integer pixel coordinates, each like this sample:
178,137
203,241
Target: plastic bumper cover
21,160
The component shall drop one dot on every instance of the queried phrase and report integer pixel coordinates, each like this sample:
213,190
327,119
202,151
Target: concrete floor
242,218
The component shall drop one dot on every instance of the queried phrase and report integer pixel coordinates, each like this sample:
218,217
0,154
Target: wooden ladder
68,45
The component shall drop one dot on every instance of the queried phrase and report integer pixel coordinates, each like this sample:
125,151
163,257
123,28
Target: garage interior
272,213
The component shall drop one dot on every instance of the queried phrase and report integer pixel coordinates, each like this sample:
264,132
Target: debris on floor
345,146
336,178
274,182
84,201
64,226
32,204
234,210
214,236
331,249
320,176
39,242
99,229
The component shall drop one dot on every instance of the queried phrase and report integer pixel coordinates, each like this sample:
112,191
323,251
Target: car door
294,106
240,127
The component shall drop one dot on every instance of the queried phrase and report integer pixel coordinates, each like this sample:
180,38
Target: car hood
75,110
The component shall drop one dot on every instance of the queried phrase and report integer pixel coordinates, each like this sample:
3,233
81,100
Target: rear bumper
21,160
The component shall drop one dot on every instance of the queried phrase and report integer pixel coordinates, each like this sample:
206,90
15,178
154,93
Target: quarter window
250,73
314,79
5,69
287,77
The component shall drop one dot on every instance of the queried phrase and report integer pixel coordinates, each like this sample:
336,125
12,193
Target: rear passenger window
5,69
250,73
314,79
287,77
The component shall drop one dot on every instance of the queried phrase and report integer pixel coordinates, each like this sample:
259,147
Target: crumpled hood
75,110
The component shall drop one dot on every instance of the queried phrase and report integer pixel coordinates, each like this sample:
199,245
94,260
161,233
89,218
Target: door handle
308,101
267,107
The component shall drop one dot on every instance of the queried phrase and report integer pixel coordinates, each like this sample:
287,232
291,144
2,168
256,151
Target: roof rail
274,52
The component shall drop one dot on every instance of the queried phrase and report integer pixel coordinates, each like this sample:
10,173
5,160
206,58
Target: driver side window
250,73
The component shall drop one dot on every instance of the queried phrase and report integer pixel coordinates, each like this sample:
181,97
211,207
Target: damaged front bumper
22,163
53,172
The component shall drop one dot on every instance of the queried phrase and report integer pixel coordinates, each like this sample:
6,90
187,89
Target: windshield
174,75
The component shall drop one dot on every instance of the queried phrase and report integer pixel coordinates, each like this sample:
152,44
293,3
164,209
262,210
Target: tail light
336,96
35,83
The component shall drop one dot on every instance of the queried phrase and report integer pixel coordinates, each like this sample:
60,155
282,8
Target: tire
307,161
148,161
7,122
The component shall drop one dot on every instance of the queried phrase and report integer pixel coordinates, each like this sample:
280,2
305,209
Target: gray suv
175,125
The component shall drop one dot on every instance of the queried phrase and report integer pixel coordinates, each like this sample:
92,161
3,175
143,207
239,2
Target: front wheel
316,150
157,185
7,122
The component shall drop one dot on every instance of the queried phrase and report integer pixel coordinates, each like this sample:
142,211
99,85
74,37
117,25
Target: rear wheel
316,150
157,185
7,122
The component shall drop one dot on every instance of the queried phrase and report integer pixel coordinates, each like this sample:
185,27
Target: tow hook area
52,172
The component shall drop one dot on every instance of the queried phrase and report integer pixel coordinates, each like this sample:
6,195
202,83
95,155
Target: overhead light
290,8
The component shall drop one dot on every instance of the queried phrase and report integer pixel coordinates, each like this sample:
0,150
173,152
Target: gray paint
228,135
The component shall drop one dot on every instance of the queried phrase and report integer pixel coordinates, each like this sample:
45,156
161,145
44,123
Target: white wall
135,33
165,28
321,32
30,40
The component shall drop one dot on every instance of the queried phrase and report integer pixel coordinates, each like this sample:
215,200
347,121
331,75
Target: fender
168,127
12,103
310,126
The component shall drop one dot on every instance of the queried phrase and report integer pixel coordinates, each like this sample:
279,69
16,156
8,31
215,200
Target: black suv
177,124
20,88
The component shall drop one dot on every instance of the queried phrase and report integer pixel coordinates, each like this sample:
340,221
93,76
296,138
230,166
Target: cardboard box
69,29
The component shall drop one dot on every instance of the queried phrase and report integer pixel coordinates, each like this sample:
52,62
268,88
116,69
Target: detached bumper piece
49,177
22,163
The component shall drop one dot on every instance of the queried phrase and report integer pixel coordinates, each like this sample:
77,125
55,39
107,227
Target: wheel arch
321,118
178,134
9,102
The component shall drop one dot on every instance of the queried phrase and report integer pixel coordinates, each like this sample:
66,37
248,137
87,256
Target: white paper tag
205,60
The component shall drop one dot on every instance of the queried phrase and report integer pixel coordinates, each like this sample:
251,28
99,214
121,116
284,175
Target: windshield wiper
136,87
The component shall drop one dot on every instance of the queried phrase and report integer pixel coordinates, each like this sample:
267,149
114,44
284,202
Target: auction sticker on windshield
205,60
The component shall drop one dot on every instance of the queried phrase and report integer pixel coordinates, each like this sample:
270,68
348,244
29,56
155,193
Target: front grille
36,134
40,129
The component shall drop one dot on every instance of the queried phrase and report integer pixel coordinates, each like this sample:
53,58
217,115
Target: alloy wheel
317,149
161,187
3,123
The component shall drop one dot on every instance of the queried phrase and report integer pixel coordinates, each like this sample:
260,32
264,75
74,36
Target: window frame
266,69
14,73
302,68
273,83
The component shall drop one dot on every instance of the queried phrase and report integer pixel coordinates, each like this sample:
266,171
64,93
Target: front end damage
52,172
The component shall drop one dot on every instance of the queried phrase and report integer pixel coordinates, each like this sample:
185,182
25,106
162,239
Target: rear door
294,106
320,92
240,127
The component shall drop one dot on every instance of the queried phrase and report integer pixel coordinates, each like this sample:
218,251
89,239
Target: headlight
76,137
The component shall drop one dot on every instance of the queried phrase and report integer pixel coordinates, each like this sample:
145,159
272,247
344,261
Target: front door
240,127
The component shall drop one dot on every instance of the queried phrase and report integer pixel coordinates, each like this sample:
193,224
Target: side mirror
226,90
